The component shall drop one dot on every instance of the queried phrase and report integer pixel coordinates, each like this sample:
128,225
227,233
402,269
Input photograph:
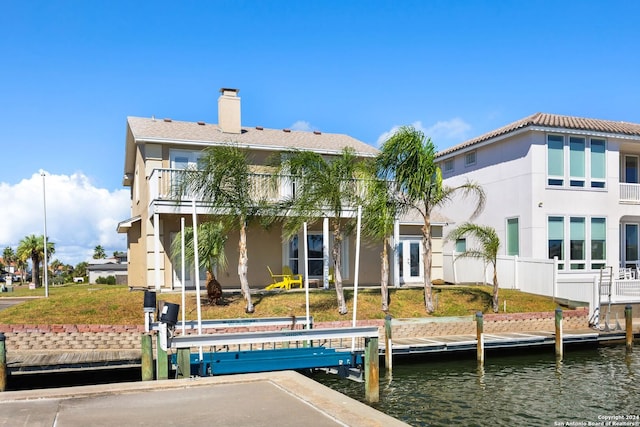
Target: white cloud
302,125
441,133
80,216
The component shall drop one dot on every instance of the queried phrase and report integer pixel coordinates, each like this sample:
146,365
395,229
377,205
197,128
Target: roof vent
317,132
259,128
167,120
286,130
201,123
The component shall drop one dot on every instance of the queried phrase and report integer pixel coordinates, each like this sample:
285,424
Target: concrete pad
284,399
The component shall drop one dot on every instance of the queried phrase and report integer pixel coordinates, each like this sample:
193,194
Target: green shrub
109,280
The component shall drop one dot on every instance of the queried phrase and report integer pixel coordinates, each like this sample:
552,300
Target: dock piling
184,363
162,359
628,323
559,349
147,358
3,362
480,336
371,370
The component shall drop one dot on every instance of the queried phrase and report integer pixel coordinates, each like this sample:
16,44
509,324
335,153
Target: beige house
156,152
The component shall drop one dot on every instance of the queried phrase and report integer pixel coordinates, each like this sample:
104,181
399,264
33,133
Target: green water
587,388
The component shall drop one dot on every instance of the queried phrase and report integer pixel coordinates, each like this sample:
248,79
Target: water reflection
531,390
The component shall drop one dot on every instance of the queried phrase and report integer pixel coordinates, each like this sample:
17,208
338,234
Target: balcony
163,182
629,193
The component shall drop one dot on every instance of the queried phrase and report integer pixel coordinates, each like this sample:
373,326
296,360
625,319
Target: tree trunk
495,289
384,276
426,256
337,245
243,261
35,277
214,289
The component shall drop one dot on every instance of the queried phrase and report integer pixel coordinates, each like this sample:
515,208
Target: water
520,390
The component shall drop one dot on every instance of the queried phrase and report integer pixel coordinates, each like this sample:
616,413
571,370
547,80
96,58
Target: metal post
147,358
628,323
388,351
3,363
184,363
559,333
480,336
371,370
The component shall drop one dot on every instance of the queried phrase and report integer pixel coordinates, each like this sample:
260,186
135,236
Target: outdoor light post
44,204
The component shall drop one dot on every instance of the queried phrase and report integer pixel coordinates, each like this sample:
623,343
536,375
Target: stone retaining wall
121,337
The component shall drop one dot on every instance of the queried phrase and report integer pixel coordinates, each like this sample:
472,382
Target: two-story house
156,152
556,186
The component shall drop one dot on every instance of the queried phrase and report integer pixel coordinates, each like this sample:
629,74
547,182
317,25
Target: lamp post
46,264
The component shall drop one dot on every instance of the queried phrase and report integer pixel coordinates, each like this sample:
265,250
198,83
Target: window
631,169
448,165
598,243
555,160
556,238
583,233
577,243
576,161
598,164
461,245
470,158
315,255
631,242
513,237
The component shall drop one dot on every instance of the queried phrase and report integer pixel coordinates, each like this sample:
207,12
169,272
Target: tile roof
554,121
278,139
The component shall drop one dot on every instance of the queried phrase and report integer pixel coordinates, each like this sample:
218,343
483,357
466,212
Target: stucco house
156,150
556,186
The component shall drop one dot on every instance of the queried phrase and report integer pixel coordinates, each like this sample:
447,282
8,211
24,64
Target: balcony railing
163,186
629,193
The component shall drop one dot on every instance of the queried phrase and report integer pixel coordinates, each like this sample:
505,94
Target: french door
410,260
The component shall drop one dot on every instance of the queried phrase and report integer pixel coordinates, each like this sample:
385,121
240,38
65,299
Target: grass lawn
117,305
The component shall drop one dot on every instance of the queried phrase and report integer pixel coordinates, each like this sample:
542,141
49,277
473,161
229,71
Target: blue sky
72,71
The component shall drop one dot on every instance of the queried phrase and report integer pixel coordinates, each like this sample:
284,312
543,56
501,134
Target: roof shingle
546,120
278,139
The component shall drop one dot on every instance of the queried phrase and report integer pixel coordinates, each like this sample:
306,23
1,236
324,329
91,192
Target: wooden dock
31,362
508,340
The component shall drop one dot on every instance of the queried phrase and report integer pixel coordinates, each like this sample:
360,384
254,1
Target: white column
156,251
396,254
325,253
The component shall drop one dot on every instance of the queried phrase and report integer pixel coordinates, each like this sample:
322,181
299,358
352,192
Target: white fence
541,277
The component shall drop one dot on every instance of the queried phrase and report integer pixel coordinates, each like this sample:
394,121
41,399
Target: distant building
108,267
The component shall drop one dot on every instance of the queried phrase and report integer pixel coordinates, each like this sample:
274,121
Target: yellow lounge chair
285,280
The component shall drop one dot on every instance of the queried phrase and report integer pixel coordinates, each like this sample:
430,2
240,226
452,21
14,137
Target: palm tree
488,251
8,256
223,181
408,159
378,217
324,188
99,253
32,247
211,239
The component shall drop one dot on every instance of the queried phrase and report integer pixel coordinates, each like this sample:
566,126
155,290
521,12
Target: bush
109,280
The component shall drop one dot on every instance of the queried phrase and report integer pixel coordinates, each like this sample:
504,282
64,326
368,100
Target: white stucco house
556,186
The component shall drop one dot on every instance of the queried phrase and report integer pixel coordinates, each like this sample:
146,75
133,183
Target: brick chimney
229,110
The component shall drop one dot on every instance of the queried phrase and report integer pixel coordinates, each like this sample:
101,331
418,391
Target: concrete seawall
38,338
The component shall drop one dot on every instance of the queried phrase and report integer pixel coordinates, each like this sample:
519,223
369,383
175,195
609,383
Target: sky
72,71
